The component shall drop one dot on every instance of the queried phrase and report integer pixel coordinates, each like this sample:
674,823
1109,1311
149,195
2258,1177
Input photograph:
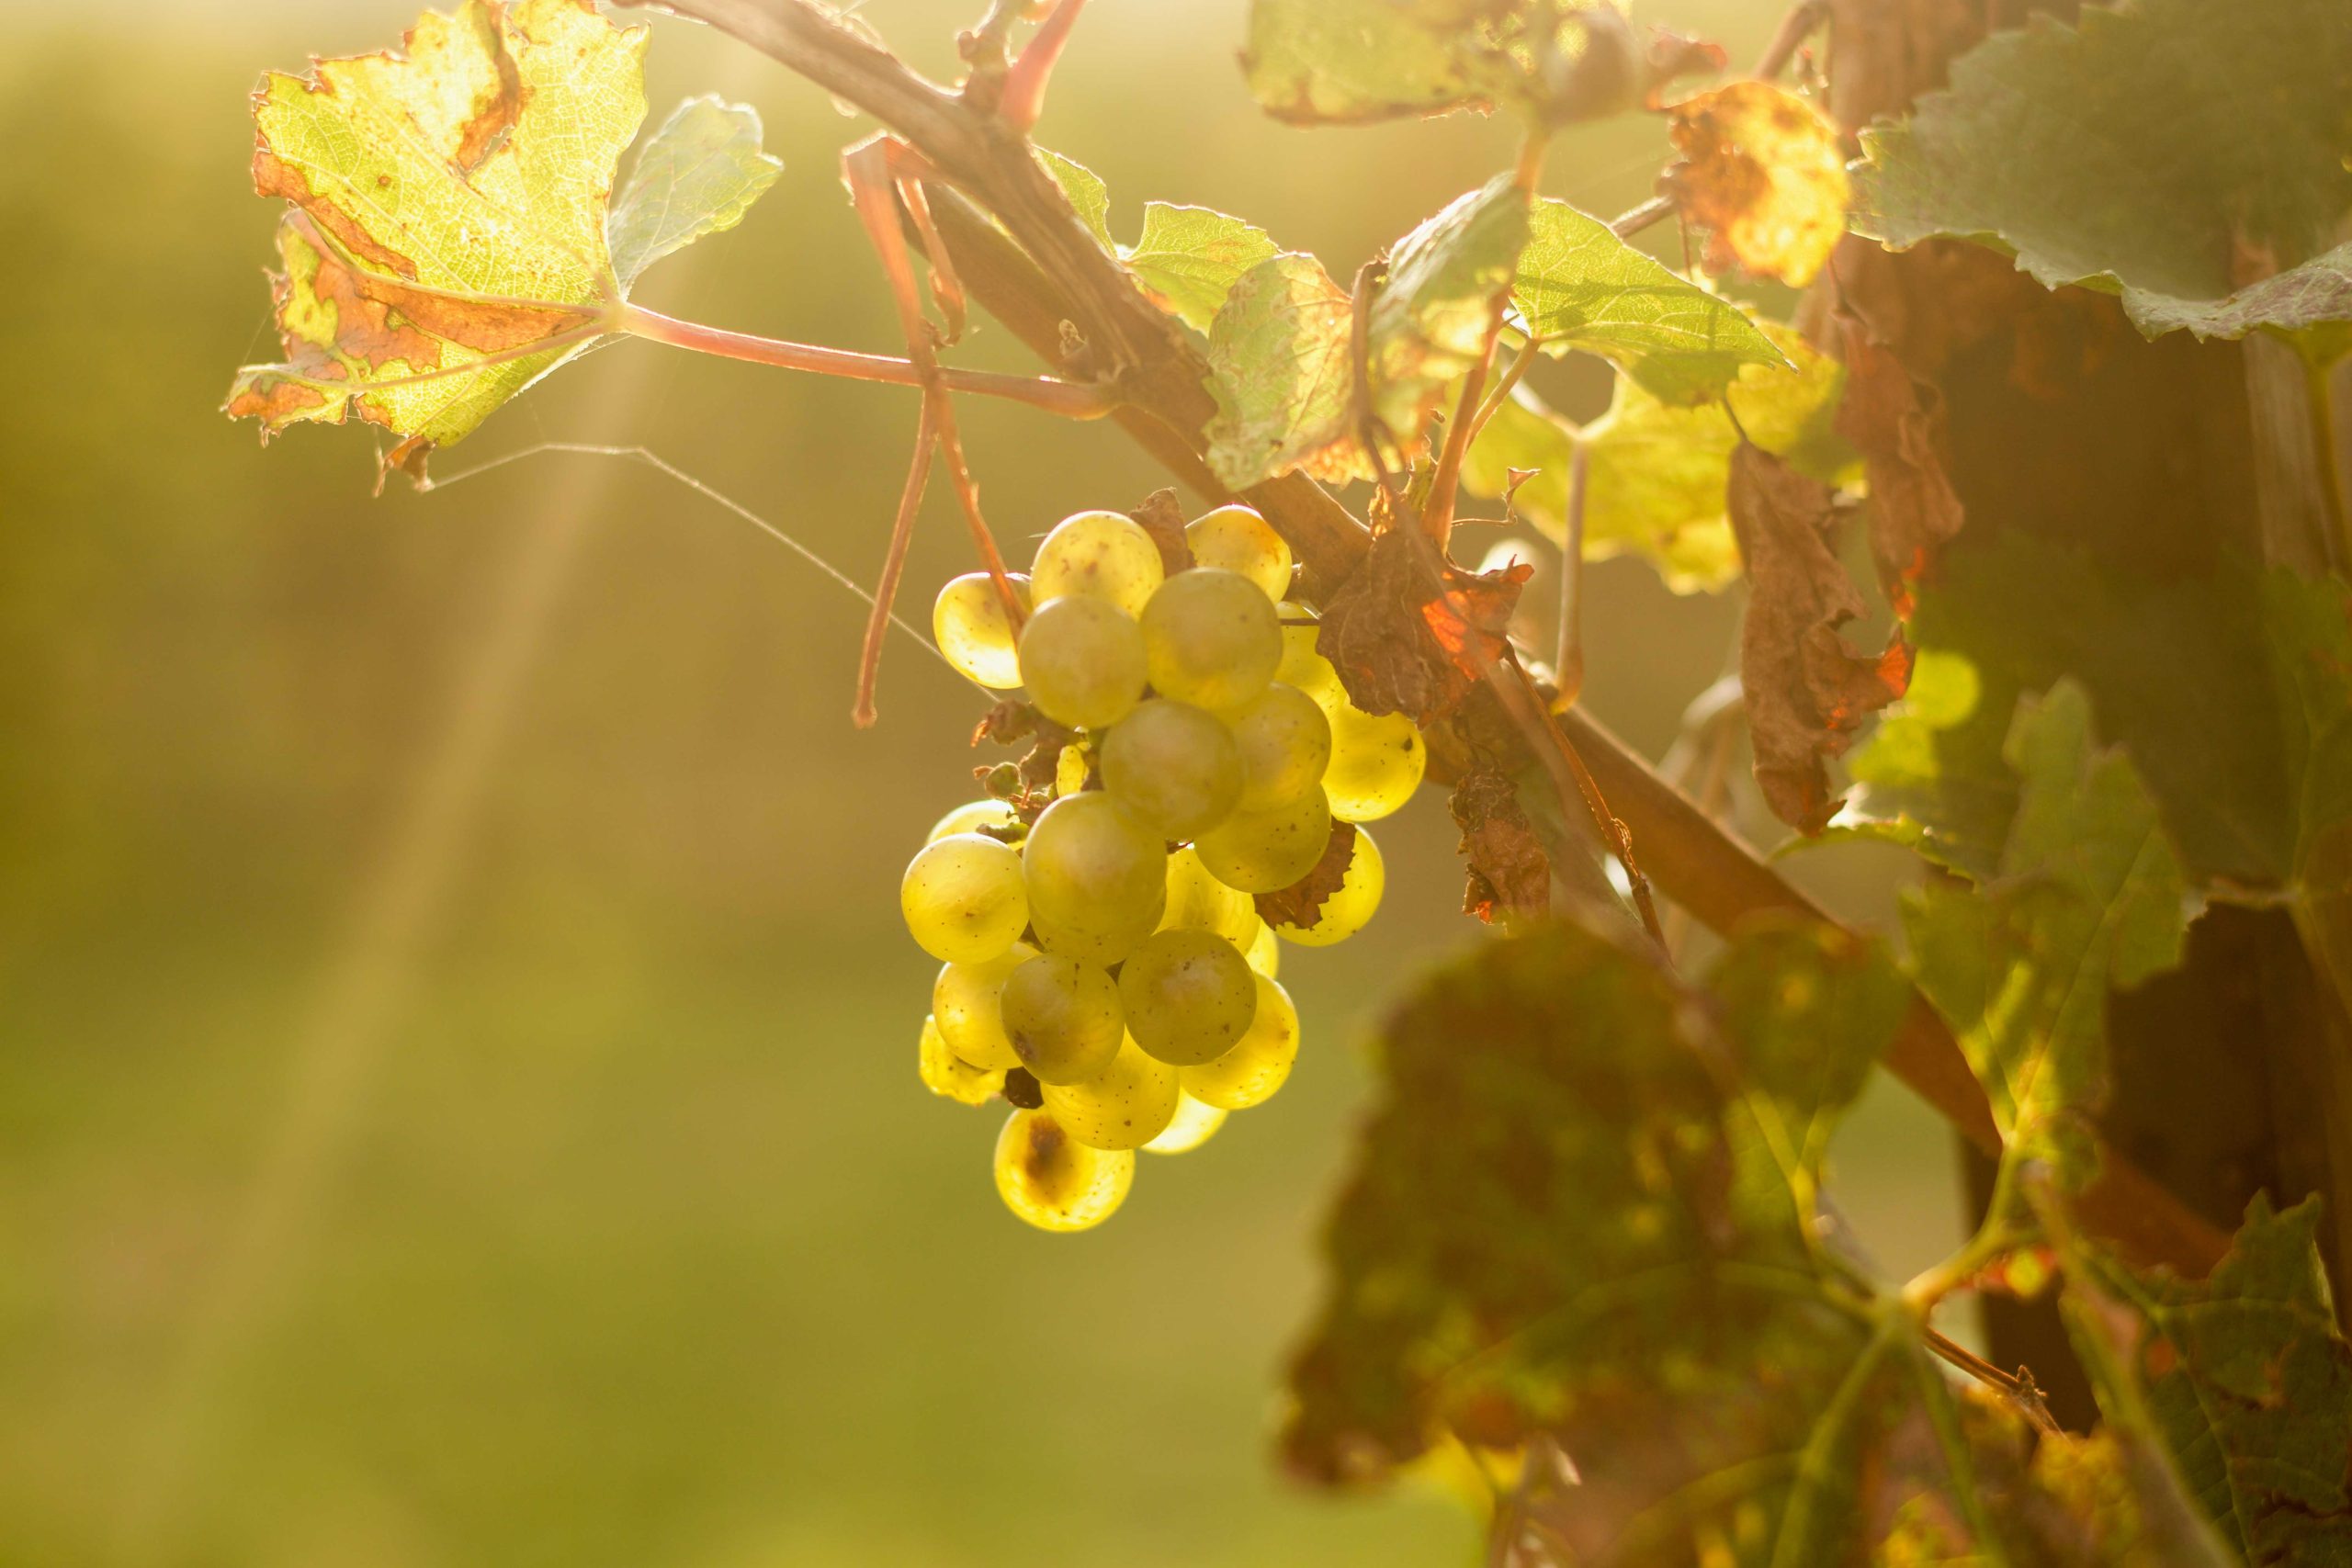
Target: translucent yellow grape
970,818
1083,660
945,1073
1376,762
1063,1019
1265,851
1096,874
1124,1108
1265,954
1250,1073
1284,743
1174,766
1301,666
966,1002
1211,639
1100,948
1071,770
965,897
1100,555
968,622
1189,997
1197,901
1352,905
1052,1181
1235,539
1194,1124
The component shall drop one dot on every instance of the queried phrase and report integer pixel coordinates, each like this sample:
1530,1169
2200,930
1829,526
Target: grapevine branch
1044,278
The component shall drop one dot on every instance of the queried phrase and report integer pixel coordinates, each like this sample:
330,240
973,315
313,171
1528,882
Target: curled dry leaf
1411,632
1763,172
1894,424
1161,515
1806,687
1301,904
1509,873
1010,723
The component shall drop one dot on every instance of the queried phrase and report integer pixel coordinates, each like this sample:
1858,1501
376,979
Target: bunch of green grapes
1106,968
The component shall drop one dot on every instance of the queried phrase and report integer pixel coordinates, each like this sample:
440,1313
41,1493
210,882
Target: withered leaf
1509,873
1806,687
1010,723
1763,172
1301,904
1894,423
1411,632
1161,515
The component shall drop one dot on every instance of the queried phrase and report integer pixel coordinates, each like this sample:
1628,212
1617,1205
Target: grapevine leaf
1300,905
698,175
1806,689
1087,196
1410,632
1189,258
1657,472
1344,62
1428,322
1509,875
2189,157
1893,422
1281,369
2087,897
1929,778
447,246
1581,287
1762,170
2249,1386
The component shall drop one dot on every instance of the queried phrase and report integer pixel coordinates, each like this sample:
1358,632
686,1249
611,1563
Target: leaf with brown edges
1807,689
1410,632
1894,422
1509,873
1763,172
1301,904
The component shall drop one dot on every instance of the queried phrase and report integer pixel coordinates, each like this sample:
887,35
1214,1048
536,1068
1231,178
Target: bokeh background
457,1091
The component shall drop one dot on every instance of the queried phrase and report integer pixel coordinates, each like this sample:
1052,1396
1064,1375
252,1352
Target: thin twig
1614,832
1800,24
894,559
1568,668
1627,224
2019,1388
1437,514
1024,99
1507,383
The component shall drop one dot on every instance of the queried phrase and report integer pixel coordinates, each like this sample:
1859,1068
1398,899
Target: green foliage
1333,61
1280,363
1580,286
1190,257
2086,897
1089,197
1657,472
698,175
2190,157
1428,322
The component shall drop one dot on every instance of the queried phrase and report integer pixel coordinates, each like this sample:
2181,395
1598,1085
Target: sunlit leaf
2188,156
2087,897
1658,472
698,175
1190,258
1430,318
1580,286
1089,197
1328,62
1764,171
1280,365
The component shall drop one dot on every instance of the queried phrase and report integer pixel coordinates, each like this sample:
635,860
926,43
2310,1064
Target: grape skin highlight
1376,762
1083,662
1100,555
1285,742
1063,1019
1096,873
1352,905
1235,539
1211,639
965,1001
1053,1181
1265,851
947,1075
964,898
970,818
1123,1107
968,622
1189,997
1174,766
1194,1124
1250,1073
1197,901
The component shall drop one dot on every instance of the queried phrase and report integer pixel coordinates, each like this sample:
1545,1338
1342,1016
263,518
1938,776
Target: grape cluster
1107,969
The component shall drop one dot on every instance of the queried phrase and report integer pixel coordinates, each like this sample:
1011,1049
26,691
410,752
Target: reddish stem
894,562
1024,85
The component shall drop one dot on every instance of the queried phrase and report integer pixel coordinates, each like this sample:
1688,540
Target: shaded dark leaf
1893,422
1509,873
1410,632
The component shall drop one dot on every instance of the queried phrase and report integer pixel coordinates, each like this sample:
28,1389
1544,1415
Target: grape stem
1072,400
1024,85
1034,265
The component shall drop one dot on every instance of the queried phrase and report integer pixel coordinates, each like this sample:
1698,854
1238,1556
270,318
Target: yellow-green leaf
698,175
1279,363
1190,258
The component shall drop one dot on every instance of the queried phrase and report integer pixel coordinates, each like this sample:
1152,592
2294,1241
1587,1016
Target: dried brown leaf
1896,424
1161,515
1301,904
1509,873
1410,632
1764,171
1806,687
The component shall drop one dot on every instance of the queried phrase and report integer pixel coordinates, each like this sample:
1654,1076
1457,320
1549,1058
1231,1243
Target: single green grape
1265,954
1189,997
1250,1073
1194,1124
970,818
1052,1181
1376,762
1100,555
1265,851
1096,874
1301,665
968,622
1211,639
945,1073
967,1004
1197,901
1071,768
1063,1019
1235,539
1285,742
1352,905
964,898
1174,766
1083,661
1124,1107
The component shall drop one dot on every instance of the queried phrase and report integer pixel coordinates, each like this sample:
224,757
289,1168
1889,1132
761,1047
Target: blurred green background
457,1092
